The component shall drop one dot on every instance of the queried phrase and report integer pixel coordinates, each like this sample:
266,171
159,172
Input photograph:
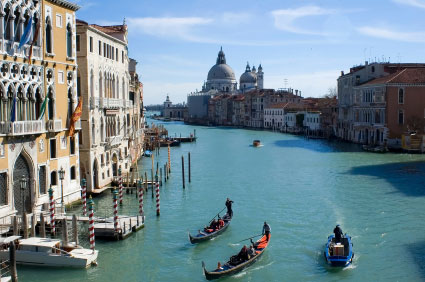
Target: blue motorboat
148,153
339,253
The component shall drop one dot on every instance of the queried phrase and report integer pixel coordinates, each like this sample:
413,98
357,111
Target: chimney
366,63
296,92
342,73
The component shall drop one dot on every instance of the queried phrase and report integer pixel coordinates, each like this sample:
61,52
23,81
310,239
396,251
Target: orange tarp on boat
262,243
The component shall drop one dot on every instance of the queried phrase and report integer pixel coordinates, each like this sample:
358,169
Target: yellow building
34,141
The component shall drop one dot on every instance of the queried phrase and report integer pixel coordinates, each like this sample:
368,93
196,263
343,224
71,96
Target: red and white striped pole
157,195
52,211
140,198
84,196
91,223
120,184
115,210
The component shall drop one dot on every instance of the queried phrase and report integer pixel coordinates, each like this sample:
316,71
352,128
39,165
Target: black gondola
203,236
230,268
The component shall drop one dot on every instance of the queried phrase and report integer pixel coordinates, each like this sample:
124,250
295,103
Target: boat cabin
340,248
41,245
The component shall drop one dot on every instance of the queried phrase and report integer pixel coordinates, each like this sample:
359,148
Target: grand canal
301,187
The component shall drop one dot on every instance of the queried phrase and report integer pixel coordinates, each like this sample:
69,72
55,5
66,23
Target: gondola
203,236
339,254
230,268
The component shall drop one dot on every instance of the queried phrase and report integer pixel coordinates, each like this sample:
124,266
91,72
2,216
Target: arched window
119,126
91,84
69,41
100,85
10,94
34,28
53,178
20,104
38,103
30,104
7,26
401,96
51,103
93,130
102,129
118,88
49,43
3,104
17,25
72,173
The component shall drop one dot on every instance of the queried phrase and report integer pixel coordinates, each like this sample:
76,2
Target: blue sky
307,43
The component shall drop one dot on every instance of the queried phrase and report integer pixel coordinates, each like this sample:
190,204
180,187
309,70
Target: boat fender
94,263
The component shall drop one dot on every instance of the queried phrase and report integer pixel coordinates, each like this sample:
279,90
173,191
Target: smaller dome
248,77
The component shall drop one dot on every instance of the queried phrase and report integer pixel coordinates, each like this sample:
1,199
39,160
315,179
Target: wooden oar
249,238
217,214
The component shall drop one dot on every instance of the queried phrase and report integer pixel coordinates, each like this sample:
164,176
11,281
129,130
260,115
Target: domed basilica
222,78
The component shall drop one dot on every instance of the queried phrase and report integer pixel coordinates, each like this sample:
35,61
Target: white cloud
285,19
389,34
414,3
180,27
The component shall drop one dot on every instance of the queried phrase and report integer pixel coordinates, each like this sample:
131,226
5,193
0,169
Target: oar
217,214
249,238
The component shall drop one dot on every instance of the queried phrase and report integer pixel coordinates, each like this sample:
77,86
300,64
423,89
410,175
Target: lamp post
61,177
23,182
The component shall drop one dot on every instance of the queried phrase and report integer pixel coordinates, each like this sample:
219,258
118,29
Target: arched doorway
366,136
95,175
22,198
114,165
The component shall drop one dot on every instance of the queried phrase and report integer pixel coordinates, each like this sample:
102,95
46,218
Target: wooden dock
127,225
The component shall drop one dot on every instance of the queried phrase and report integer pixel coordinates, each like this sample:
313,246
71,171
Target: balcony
111,103
94,102
11,47
54,125
113,141
22,127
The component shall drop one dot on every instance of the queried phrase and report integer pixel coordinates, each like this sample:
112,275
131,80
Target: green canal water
301,187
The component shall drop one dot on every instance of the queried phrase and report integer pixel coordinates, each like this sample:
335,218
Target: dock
127,225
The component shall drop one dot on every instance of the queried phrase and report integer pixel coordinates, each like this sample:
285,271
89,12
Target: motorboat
339,253
48,252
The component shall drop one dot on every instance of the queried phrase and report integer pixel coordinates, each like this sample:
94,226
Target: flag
34,40
43,108
27,34
13,110
75,117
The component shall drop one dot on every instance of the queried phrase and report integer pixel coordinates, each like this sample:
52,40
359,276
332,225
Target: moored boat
148,153
256,143
208,234
231,267
47,252
341,253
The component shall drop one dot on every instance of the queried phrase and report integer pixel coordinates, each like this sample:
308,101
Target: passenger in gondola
229,207
220,223
338,233
243,254
266,230
213,225
251,252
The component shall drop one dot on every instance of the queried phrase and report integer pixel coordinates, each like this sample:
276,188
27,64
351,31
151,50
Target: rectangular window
91,44
100,48
116,54
112,53
61,78
104,50
3,188
53,148
73,173
80,138
401,96
78,43
400,117
122,56
58,20
79,86
71,146
42,180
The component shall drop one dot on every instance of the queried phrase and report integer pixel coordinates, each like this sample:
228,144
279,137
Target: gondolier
266,230
229,207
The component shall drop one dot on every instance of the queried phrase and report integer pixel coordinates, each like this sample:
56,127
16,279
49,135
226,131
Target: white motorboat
47,252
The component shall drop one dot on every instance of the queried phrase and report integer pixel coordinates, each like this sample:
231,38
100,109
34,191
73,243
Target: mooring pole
189,166
183,172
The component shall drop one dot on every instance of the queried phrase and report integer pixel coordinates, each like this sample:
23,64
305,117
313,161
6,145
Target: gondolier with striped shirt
266,230
229,207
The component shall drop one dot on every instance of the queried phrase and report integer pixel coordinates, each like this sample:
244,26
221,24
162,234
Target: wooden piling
75,230
33,224
189,166
169,160
160,176
12,258
183,172
42,226
15,225
25,225
65,232
146,181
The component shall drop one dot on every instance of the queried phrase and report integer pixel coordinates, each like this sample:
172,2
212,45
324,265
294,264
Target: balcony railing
22,127
11,47
111,103
113,140
54,125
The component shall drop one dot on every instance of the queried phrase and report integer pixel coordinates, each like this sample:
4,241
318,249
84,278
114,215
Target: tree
416,124
332,93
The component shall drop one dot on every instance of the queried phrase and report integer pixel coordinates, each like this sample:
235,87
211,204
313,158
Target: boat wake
245,272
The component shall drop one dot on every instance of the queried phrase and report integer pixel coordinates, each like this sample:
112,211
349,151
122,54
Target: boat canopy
7,240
